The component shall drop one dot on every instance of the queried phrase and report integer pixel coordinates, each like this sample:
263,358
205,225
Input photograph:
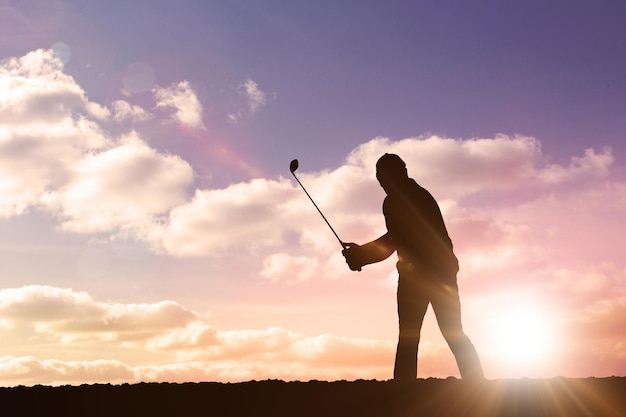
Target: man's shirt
417,229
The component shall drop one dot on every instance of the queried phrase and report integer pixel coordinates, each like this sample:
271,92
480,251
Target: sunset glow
523,340
150,229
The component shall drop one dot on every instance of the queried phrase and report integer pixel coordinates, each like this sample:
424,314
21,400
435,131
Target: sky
150,229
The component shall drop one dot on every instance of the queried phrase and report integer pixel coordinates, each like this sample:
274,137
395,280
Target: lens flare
62,51
138,78
218,151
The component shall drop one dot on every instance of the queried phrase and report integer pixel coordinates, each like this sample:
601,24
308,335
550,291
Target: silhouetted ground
589,397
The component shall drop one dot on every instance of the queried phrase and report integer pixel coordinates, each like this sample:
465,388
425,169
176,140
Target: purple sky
345,71
144,148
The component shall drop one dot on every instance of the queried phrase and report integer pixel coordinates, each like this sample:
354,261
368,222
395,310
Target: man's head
390,171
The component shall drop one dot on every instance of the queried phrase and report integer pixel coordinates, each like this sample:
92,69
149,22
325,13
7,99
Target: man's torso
417,228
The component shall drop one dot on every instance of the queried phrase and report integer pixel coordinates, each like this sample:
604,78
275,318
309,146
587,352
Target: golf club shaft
343,245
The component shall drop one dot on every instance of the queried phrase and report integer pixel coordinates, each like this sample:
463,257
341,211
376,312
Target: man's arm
369,253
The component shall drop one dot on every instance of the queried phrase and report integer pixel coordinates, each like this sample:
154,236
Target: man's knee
456,338
409,335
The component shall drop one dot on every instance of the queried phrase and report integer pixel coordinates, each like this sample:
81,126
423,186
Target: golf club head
293,166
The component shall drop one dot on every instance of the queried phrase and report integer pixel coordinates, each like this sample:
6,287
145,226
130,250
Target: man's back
415,223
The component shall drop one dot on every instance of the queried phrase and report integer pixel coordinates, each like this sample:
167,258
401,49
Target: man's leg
412,305
447,308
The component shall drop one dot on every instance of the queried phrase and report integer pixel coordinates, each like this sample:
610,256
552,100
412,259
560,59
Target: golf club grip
346,246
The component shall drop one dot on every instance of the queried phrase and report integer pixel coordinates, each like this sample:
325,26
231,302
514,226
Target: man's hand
353,255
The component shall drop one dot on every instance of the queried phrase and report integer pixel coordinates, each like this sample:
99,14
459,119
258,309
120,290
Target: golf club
293,166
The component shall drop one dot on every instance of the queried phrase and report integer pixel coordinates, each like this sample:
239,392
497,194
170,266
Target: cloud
98,111
191,347
182,346
240,215
196,335
247,213
255,97
35,89
279,353
38,157
123,110
462,167
72,317
55,157
27,370
121,188
591,164
182,98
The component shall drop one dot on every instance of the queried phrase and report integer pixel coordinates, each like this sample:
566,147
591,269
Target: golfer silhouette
427,268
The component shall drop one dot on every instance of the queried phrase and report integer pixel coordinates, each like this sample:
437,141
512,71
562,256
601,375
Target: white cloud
124,187
182,98
98,111
232,118
190,348
255,97
278,347
592,164
196,335
123,110
181,346
241,215
54,157
454,168
457,167
247,213
38,157
35,89
27,370
70,316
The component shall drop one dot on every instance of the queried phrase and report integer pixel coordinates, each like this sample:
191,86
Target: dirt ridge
568,397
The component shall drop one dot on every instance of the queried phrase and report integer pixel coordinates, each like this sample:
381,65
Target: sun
522,339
